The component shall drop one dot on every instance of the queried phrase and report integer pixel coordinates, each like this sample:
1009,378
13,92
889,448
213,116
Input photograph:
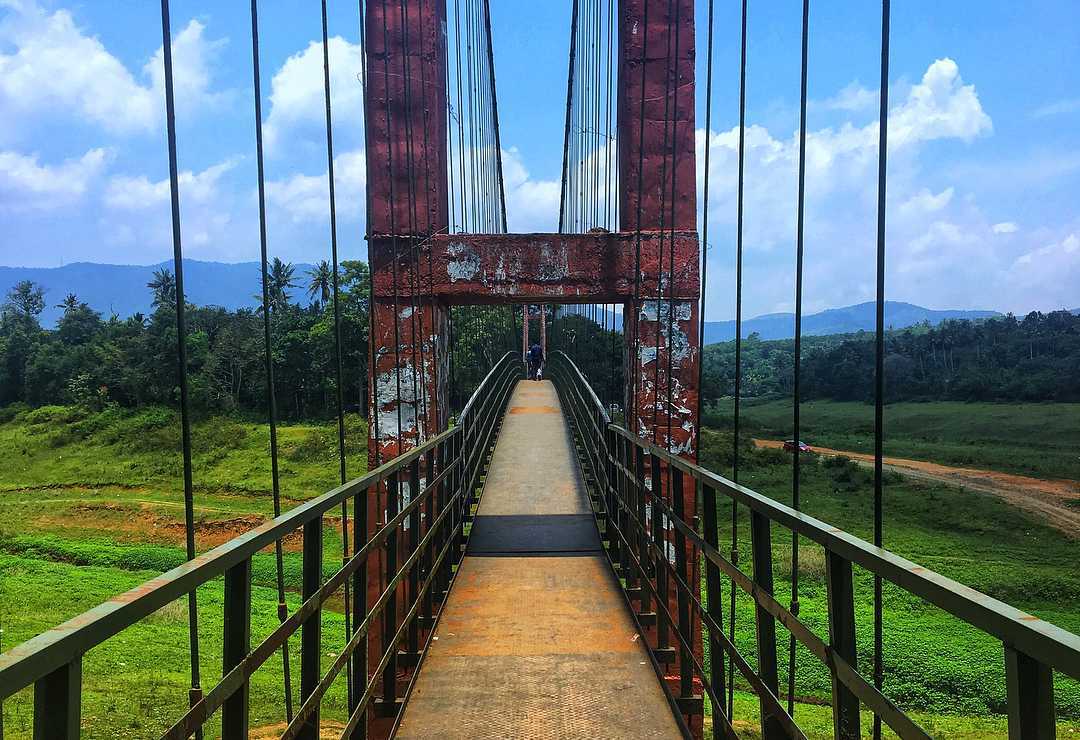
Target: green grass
933,662
1036,439
135,684
91,504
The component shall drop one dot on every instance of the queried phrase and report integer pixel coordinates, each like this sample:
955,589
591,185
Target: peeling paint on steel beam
495,268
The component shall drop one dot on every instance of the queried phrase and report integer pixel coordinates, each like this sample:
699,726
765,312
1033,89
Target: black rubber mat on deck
554,534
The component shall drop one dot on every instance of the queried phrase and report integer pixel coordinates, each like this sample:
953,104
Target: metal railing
637,491
421,539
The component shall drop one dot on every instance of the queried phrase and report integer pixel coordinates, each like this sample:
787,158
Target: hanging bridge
536,558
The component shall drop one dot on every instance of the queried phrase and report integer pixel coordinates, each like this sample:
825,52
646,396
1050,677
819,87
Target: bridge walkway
535,640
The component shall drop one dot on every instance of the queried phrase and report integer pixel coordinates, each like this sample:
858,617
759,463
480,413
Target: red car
790,446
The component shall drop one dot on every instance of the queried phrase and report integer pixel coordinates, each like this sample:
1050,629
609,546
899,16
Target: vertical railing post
761,550
686,632
640,572
311,632
841,596
57,703
715,605
235,647
659,566
389,621
431,512
359,658
414,572
1030,686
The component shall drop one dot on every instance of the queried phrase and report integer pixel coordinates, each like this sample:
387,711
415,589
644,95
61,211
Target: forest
1034,358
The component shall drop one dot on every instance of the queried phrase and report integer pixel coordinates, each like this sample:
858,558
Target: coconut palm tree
282,277
163,286
69,304
322,282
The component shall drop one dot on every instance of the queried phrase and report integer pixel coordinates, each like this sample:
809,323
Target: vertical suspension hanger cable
671,241
636,344
337,329
660,232
195,693
564,227
738,350
268,359
879,347
797,388
495,114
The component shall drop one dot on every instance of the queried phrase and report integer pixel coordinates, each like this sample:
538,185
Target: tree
322,282
163,284
26,300
281,279
69,304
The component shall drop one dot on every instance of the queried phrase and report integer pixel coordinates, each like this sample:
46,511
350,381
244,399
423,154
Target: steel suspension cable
268,359
797,387
717,686
636,344
738,349
660,242
564,227
195,694
671,242
495,114
337,327
879,347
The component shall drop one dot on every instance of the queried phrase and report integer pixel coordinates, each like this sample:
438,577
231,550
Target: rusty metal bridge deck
535,639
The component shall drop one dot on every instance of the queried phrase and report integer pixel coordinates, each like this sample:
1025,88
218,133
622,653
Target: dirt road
1057,502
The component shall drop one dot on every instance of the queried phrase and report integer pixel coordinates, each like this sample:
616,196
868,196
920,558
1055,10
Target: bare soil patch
1053,501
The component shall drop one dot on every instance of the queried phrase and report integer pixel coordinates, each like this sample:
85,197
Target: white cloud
306,198
531,205
852,99
1005,227
57,69
138,193
1057,108
297,98
27,185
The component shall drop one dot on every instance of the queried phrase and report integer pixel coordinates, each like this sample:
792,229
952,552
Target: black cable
271,395
563,225
181,352
337,329
879,347
495,113
660,232
738,347
636,344
718,686
797,401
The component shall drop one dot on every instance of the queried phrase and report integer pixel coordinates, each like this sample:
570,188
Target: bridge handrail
628,474
51,661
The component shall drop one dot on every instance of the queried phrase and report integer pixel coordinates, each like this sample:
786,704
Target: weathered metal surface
532,268
536,647
406,118
649,32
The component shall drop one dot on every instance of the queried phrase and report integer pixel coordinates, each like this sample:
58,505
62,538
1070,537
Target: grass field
934,663
91,505
1036,439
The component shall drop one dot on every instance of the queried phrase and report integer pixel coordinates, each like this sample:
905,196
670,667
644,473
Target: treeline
91,360
1036,358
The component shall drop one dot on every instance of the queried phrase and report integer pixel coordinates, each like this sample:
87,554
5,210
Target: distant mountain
846,320
121,289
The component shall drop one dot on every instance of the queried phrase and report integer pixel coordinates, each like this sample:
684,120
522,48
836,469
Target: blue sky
984,169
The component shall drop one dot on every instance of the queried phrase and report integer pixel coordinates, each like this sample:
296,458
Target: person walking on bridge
536,362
